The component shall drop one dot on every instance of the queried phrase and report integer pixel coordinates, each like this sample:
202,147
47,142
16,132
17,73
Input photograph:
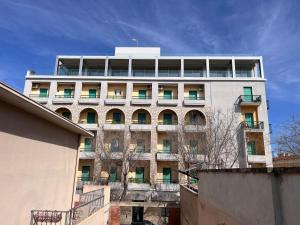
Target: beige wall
112,87
252,197
37,165
249,109
36,91
62,87
188,207
86,87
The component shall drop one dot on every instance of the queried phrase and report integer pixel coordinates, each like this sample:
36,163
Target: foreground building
38,160
136,101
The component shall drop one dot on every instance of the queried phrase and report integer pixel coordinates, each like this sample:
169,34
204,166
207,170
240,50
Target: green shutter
193,95
248,97
85,173
116,118
43,92
139,174
166,146
141,118
249,120
113,174
251,148
168,94
66,114
68,93
88,144
142,94
92,93
194,146
91,117
167,118
167,177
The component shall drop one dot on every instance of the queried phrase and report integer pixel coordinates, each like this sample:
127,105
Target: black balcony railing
194,98
64,96
39,95
141,97
166,181
89,96
167,123
249,99
257,125
137,180
173,97
85,178
87,149
116,96
89,203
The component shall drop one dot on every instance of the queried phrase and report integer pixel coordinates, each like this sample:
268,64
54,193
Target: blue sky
32,33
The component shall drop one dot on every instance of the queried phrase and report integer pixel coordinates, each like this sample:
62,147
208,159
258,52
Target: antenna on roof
136,41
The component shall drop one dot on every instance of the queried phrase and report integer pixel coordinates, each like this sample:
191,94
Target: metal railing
249,98
141,97
118,73
175,97
68,71
39,95
253,125
89,203
220,73
140,122
166,181
143,73
116,97
167,123
193,73
87,149
137,180
194,98
85,179
90,96
243,73
114,122
64,96
168,73
93,72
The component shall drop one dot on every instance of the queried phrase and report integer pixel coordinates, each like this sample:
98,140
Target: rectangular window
68,93
166,146
193,95
248,95
43,92
142,94
91,117
116,118
92,93
140,145
115,147
168,94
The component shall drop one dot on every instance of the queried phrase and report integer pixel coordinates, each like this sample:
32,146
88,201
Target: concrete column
130,67
27,87
153,162
52,91
106,67
56,66
207,67
154,93
80,66
182,67
262,73
103,92
129,88
156,67
233,67
77,91
180,93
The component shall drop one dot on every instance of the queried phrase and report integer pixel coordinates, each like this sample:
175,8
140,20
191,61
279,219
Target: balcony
253,126
166,185
113,126
249,100
256,158
86,153
89,100
89,126
194,157
194,101
42,99
138,184
118,73
167,156
169,73
141,100
141,155
63,99
140,126
194,128
115,100
167,127
143,73
167,100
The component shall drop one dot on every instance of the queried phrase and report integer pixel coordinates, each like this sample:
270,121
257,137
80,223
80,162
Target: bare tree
289,140
216,141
